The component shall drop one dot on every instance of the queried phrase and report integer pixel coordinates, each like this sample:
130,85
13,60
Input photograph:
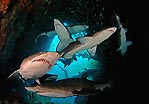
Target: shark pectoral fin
14,74
129,43
37,80
123,32
125,29
84,39
92,51
68,57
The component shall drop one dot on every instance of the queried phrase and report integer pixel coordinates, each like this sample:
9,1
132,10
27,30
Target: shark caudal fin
63,35
102,86
14,74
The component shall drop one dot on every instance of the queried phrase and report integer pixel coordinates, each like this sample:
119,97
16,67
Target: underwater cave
27,27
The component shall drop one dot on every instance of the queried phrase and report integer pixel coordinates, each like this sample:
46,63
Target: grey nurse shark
69,87
123,40
67,47
36,65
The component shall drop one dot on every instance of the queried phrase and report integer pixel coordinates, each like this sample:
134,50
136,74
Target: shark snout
112,29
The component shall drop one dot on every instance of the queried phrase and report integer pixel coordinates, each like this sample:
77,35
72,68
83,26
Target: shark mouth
44,61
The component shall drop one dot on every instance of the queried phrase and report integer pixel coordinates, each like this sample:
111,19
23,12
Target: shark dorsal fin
92,50
84,39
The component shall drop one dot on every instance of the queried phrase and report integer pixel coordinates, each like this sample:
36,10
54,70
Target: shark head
105,34
37,65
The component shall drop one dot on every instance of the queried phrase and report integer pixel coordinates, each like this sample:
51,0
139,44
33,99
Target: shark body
68,47
123,40
68,87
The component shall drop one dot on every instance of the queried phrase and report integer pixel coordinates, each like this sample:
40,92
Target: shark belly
56,93
70,53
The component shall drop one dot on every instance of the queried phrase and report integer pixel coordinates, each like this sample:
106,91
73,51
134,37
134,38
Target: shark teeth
43,61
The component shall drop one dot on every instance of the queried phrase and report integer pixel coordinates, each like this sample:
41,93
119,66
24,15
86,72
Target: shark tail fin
63,34
102,86
63,44
14,74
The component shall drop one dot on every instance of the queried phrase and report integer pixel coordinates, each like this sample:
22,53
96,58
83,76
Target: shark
38,64
67,47
72,29
68,87
123,40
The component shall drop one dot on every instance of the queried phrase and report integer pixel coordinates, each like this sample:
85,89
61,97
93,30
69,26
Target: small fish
123,40
68,87
36,65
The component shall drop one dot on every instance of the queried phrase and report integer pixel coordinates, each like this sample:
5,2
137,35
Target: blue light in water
54,43
65,24
67,100
78,35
